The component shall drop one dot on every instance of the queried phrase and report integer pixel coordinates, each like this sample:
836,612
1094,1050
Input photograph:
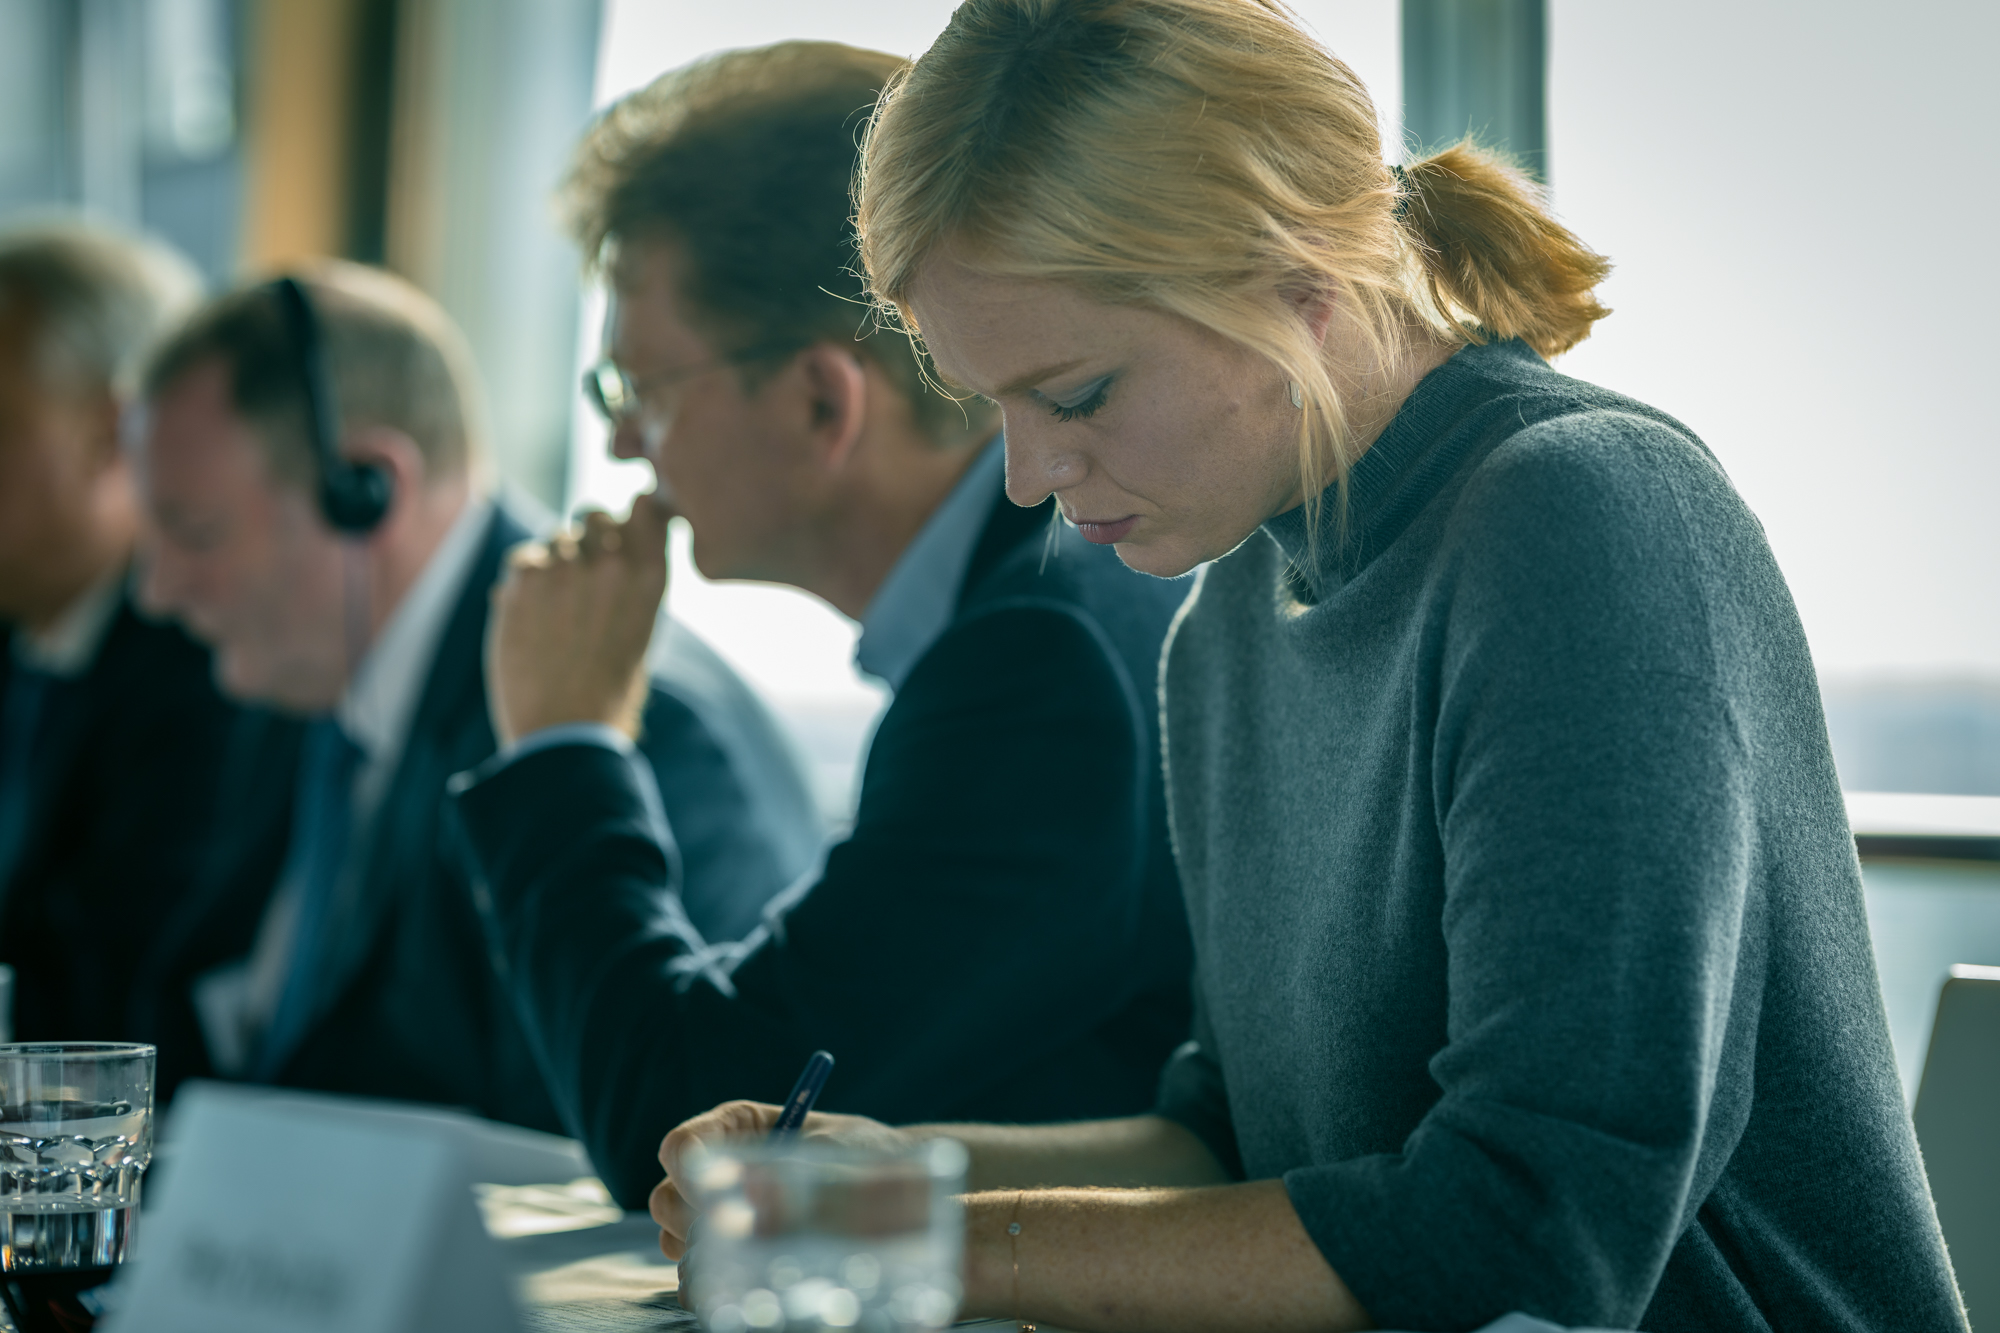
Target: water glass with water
798,1234
76,1136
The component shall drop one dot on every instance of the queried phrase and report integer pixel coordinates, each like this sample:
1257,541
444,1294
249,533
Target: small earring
1298,395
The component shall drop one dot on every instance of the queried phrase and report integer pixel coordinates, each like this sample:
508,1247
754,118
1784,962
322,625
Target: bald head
395,360
236,544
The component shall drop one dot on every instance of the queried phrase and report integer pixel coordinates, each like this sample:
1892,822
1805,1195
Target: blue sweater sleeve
1596,820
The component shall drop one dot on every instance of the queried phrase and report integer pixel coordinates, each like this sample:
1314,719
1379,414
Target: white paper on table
289,1214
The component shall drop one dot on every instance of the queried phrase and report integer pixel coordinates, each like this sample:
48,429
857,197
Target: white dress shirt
67,648
381,700
236,1001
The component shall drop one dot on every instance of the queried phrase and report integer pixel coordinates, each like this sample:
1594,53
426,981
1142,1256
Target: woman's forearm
1202,1260
1138,1150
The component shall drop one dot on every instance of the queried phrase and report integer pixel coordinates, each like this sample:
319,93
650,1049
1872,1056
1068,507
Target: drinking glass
803,1235
76,1135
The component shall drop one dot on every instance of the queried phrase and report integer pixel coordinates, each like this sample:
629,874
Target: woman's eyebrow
1026,382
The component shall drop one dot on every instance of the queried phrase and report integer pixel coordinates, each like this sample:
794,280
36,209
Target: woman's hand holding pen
673,1204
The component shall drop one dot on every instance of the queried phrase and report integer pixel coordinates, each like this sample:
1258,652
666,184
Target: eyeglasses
618,397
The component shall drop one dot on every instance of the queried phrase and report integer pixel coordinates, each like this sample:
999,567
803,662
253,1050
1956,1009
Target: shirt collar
915,603
382,698
69,646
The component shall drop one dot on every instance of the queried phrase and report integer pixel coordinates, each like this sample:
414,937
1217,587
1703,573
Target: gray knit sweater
1529,930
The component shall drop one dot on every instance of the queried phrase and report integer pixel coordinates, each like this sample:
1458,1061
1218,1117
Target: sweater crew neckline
1406,467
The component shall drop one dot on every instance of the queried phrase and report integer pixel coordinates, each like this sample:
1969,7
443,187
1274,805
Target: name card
293,1214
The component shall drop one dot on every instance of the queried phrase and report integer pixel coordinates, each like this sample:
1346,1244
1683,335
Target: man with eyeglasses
1001,933
336,945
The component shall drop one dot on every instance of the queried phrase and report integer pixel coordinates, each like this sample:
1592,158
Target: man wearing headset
311,475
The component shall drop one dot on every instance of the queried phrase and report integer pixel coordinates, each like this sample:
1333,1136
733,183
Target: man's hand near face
571,622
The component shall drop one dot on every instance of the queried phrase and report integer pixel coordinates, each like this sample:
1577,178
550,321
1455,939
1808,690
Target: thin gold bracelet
1014,1252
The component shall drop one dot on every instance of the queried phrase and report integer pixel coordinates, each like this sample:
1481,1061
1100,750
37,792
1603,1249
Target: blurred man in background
1002,933
111,732
311,472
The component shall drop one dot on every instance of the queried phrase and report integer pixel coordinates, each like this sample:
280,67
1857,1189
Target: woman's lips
1105,532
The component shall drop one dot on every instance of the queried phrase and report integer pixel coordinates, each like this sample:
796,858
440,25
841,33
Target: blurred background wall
1791,192
129,110
252,134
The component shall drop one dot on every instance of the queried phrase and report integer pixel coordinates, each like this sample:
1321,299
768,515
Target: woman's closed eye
1084,402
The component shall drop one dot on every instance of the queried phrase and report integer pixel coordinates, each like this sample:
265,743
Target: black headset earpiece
352,496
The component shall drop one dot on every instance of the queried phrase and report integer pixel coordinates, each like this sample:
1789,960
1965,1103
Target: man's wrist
633,709
601,734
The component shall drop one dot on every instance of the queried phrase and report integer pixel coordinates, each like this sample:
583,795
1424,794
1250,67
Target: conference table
584,1267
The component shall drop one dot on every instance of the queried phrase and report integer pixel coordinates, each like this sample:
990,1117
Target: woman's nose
1038,467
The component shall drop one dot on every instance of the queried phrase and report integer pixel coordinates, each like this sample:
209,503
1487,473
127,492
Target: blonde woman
1532,967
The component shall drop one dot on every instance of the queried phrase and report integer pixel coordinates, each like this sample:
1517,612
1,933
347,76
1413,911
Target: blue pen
797,1107
804,1093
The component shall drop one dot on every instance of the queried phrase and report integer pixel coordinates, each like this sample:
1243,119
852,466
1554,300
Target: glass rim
76,1050
938,1157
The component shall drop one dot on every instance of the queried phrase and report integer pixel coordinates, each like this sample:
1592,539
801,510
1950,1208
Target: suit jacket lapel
1006,528
232,887
449,732
60,724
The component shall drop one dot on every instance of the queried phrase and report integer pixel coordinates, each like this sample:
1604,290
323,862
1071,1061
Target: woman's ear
836,387
1311,298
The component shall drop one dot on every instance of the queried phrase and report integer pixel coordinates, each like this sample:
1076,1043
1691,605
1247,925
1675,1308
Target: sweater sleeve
1595,815
1194,1095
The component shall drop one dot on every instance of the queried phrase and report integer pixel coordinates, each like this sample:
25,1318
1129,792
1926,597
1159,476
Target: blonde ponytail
1493,257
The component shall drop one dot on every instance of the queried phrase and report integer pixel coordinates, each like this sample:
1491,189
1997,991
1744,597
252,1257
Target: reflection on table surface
602,1272
584,1267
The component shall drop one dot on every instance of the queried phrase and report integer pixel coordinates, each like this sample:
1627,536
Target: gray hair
95,301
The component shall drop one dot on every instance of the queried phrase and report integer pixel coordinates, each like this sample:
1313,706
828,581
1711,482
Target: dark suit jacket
409,1006
121,802
1001,937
